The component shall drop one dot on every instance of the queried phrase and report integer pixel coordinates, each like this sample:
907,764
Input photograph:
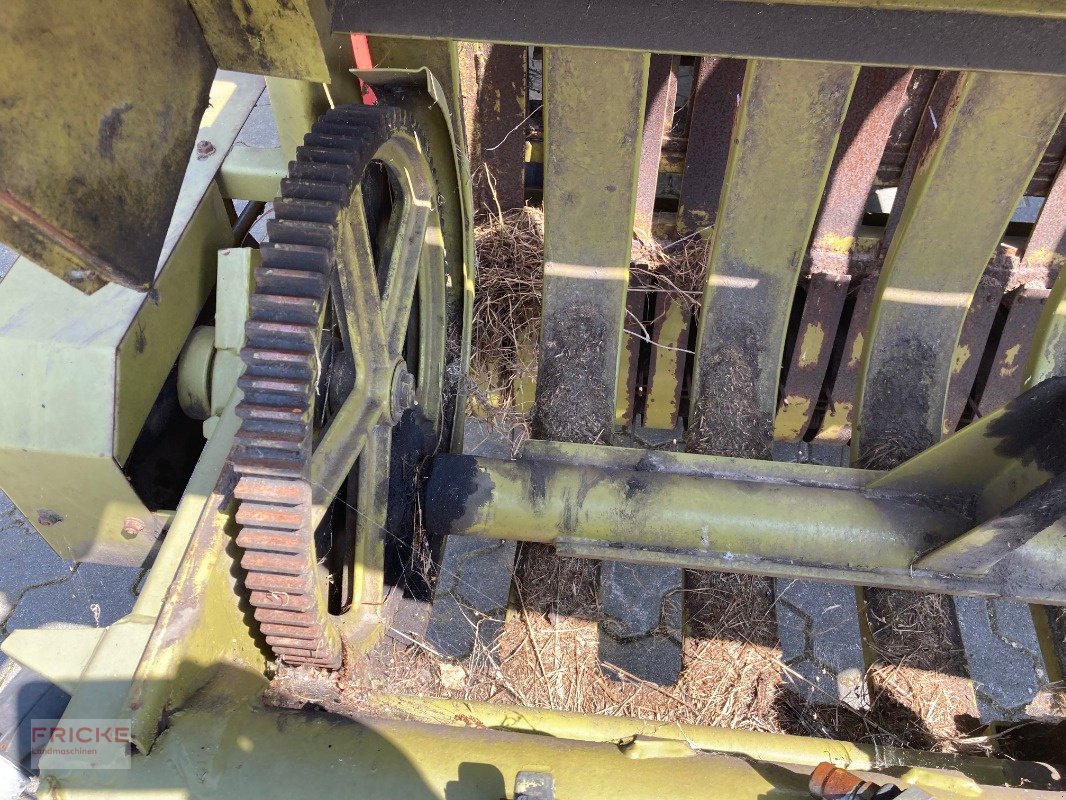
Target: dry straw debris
510,266
547,656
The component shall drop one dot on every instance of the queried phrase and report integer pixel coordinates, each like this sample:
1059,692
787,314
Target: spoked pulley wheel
346,340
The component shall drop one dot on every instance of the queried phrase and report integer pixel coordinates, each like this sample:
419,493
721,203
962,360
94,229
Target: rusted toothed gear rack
273,447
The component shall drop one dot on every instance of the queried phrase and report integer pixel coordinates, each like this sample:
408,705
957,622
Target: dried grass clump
507,301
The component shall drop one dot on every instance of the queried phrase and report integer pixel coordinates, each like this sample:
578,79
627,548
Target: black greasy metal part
272,450
717,83
1007,371
1011,529
474,576
975,330
836,33
658,112
497,131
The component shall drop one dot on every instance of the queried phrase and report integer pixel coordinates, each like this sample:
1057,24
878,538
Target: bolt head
132,528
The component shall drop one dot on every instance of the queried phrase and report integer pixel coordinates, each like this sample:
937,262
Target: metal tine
1047,250
835,253
493,82
787,128
1007,370
666,366
907,132
928,280
589,195
972,342
658,117
716,89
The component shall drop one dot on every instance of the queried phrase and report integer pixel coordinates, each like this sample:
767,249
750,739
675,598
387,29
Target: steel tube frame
706,512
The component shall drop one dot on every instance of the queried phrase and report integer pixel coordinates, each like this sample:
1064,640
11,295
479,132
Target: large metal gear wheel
346,340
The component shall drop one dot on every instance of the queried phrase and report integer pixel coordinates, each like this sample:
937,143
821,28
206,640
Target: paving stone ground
640,633
818,623
38,589
1003,654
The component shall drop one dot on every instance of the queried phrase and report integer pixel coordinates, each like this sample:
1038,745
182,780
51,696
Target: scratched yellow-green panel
783,142
987,147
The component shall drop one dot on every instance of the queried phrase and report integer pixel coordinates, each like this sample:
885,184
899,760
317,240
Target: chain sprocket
273,448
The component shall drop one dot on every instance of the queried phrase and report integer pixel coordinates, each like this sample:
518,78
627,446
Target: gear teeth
294,282
277,363
308,234
269,629
273,541
268,461
313,190
293,209
282,308
279,335
302,619
272,448
274,584
269,515
319,171
325,155
265,490
291,255
281,601
274,562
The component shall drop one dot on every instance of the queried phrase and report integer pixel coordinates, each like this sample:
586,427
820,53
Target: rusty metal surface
950,39
879,96
829,782
972,342
905,127
836,253
100,116
1050,165
1005,376
658,115
1045,252
717,83
927,90
1003,123
826,294
493,81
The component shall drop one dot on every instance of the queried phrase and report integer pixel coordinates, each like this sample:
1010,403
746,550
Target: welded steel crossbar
981,513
